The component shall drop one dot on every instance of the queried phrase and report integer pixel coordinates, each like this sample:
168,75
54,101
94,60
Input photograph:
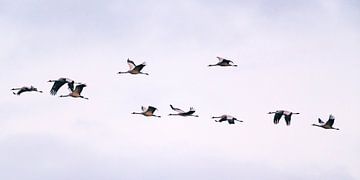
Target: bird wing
151,109
331,120
287,119
140,67
277,116
231,121
220,58
56,86
176,109
143,108
23,89
320,121
71,85
79,88
131,64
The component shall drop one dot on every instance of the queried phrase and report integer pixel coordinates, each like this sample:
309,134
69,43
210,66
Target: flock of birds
75,92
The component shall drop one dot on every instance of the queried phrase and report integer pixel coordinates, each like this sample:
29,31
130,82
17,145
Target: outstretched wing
151,109
331,120
277,116
227,61
57,85
140,67
176,109
320,121
131,64
23,89
70,85
288,119
79,88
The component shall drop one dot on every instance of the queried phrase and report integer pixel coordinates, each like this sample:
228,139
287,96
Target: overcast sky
301,56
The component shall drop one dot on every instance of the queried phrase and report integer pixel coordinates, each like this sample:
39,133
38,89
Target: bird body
25,89
224,62
77,92
328,125
228,118
183,113
134,69
147,111
280,113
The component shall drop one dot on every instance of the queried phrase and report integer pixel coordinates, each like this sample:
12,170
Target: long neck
137,113
213,65
216,117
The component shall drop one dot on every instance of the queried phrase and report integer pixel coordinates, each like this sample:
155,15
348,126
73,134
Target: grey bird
224,62
329,123
280,113
228,118
180,112
133,68
59,83
25,89
77,92
147,111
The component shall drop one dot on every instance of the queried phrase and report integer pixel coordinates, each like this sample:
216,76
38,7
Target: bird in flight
280,113
224,62
133,68
228,118
147,111
329,123
59,83
183,113
25,89
77,92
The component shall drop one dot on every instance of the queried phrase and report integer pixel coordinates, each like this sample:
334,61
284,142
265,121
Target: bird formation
148,111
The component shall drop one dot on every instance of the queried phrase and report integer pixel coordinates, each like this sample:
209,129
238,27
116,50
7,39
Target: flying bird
147,111
224,62
228,118
25,89
134,69
77,92
59,83
183,113
280,113
328,124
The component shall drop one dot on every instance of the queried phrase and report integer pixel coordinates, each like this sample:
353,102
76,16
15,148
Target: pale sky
301,56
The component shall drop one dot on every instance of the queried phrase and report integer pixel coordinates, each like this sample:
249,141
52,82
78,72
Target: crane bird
25,89
224,62
228,118
280,113
133,68
60,82
147,111
77,92
183,113
328,124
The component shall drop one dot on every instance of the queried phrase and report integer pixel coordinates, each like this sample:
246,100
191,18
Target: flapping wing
176,109
288,119
277,117
331,121
140,66
320,121
131,64
55,88
79,88
151,109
